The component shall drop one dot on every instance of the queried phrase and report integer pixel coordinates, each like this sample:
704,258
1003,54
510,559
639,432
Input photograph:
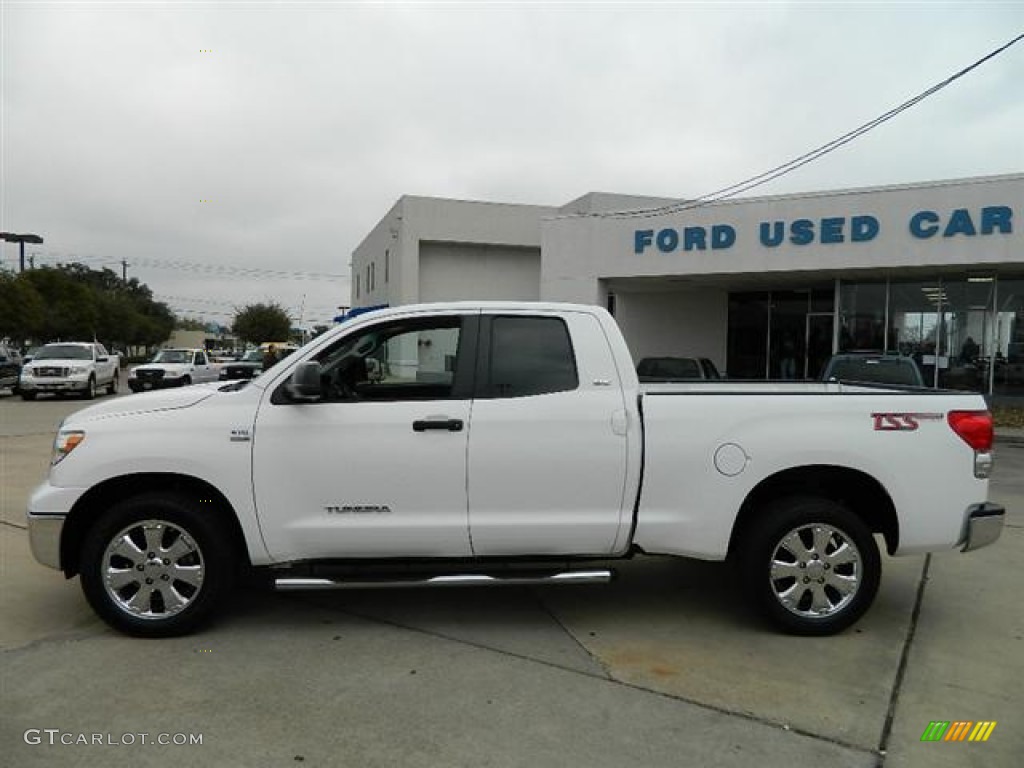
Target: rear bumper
984,525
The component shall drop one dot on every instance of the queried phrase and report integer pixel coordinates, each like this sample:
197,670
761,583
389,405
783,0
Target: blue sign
830,230
925,224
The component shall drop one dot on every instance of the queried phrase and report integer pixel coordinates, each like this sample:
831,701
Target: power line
228,304
797,162
222,270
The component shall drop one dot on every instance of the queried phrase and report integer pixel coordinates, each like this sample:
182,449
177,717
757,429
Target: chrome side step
449,580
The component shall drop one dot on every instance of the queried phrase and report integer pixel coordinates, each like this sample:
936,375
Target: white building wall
455,271
383,249
676,324
414,221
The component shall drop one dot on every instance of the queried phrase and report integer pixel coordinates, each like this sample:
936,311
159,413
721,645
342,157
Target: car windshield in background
879,370
172,356
64,352
252,356
669,368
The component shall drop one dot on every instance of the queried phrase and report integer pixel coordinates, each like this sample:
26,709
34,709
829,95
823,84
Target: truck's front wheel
810,565
154,567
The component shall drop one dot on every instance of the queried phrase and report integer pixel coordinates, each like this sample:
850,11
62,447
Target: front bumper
44,532
145,385
984,525
42,384
238,373
48,508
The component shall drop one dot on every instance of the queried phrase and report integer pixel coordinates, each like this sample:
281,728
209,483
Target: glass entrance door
787,355
781,334
820,327
747,351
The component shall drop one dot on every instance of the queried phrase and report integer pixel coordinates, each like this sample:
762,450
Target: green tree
82,303
21,308
70,311
256,323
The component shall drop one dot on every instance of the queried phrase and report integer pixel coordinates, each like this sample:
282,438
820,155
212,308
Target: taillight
973,427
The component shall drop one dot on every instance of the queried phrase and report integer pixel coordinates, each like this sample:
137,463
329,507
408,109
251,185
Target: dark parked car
10,367
662,369
874,368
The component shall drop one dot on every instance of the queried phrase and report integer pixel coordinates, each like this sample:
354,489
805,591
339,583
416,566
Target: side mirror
304,383
102,359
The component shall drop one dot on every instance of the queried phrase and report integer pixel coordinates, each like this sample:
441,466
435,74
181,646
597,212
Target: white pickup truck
503,442
61,368
173,368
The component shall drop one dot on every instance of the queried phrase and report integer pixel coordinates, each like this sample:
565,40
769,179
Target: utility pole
124,271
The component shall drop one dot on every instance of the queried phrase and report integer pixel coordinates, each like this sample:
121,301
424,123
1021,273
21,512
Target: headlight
76,369
65,443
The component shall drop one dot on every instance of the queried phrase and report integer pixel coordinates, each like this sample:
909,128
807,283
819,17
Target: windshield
173,356
253,356
884,370
668,368
64,352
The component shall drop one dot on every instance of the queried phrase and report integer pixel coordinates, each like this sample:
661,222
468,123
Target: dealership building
767,287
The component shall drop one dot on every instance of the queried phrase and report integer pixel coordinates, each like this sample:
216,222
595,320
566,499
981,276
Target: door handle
449,425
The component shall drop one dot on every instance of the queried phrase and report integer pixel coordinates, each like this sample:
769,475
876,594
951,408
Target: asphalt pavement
662,667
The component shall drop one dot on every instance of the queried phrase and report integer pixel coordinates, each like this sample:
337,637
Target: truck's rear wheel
810,565
153,566
112,387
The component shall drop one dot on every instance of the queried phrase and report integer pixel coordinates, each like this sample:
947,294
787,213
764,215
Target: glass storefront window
914,314
748,335
780,334
1008,339
967,338
862,317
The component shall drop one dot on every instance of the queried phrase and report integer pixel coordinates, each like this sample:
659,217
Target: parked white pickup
173,368
451,444
70,367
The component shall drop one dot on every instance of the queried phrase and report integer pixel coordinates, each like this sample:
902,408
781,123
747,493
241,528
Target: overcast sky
275,136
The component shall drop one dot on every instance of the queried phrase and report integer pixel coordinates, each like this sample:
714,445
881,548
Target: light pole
10,237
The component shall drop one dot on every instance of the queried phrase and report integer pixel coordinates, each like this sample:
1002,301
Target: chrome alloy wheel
152,569
816,570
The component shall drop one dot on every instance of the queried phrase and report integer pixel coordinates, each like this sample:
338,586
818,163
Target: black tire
89,393
186,381
112,386
28,395
188,577
809,565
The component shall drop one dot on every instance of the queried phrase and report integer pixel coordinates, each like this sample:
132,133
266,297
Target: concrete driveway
663,667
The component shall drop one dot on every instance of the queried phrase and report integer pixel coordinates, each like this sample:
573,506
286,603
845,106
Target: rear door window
528,356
